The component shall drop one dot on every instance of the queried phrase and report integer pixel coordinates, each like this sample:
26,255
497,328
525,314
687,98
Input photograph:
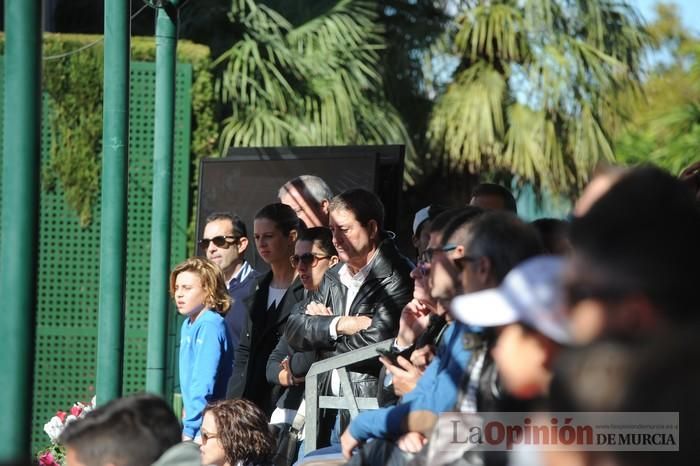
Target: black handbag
288,440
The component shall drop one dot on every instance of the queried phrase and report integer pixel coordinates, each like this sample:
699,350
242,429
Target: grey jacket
181,454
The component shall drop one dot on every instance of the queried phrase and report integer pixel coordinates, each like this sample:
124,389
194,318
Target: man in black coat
360,302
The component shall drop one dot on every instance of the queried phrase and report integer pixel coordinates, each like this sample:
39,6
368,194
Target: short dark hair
239,227
321,236
493,189
441,220
243,431
643,236
554,233
451,220
503,238
282,215
365,205
130,431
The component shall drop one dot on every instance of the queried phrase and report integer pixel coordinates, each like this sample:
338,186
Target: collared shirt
241,285
353,283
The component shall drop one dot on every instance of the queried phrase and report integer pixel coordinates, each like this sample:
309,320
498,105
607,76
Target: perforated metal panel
68,274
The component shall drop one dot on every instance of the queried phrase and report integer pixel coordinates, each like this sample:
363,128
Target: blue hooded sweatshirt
206,363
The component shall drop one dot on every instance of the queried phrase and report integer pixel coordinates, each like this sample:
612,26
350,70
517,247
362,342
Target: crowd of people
596,313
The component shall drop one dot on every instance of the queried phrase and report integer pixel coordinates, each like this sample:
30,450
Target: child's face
190,296
523,358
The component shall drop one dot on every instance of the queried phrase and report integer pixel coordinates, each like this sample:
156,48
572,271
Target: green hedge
72,78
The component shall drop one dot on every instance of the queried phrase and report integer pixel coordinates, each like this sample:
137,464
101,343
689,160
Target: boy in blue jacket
206,352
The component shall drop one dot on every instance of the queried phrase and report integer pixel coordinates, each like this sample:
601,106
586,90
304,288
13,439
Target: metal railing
315,402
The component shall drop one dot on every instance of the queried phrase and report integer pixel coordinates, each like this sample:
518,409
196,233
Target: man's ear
483,269
293,235
333,260
324,206
373,229
242,244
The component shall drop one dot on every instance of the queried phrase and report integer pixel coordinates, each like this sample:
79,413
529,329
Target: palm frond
560,66
492,31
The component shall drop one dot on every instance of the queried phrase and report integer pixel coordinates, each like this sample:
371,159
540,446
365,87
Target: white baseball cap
420,217
531,293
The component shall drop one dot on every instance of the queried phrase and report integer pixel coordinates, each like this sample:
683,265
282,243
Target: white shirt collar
356,280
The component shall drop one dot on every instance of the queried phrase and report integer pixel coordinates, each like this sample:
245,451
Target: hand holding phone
390,355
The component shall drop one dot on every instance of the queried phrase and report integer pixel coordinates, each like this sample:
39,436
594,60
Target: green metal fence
67,285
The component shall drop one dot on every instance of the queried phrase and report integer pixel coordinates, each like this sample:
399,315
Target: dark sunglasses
219,241
308,259
206,436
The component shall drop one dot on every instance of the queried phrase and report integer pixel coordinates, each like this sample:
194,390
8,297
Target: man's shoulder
332,277
180,454
391,260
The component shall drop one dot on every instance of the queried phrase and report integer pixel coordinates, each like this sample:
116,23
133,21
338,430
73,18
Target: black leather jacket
382,296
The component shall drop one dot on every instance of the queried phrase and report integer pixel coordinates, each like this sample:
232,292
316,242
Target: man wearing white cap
528,309
527,313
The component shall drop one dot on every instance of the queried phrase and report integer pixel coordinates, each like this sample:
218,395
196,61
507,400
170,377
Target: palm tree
665,125
535,91
317,83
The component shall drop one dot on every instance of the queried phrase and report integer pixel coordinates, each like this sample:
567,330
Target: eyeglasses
219,241
308,259
206,436
427,255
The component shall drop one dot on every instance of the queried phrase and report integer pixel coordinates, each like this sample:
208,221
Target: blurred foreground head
653,375
131,431
636,257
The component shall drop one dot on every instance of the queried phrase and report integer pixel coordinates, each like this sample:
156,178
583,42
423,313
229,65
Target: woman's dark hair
243,431
322,237
282,215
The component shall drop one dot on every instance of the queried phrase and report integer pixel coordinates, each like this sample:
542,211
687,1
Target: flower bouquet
55,454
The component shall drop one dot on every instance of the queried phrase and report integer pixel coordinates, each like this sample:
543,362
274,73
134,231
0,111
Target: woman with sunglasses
275,230
314,254
235,432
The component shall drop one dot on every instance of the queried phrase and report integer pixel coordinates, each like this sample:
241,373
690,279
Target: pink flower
76,410
47,459
62,415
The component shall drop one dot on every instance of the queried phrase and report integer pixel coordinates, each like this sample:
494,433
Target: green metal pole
163,146
20,206
115,142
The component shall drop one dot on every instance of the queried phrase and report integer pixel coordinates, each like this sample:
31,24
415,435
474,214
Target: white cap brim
488,308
